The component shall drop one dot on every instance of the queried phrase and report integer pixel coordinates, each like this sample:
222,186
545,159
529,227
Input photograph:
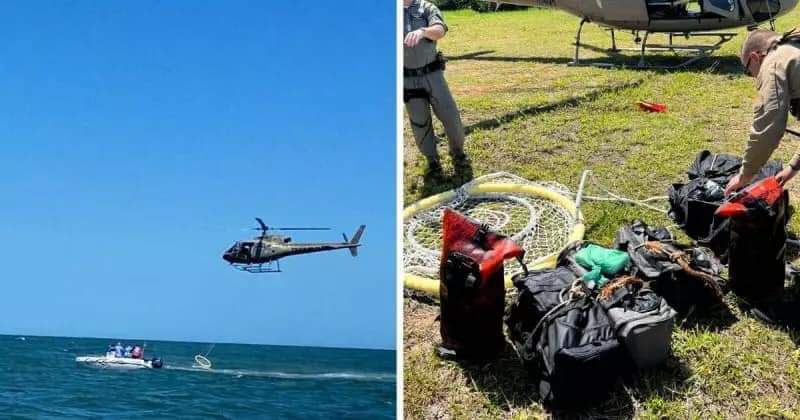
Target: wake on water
377,377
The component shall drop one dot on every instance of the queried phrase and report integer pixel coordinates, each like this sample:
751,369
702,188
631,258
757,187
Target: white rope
614,197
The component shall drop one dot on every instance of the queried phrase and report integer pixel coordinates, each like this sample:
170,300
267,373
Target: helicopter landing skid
268,267
694,52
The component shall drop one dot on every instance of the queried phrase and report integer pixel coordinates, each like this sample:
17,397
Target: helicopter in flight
675,18
262,254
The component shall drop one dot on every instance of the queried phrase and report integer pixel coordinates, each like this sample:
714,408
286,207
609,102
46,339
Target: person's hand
785,175
736,183
414,37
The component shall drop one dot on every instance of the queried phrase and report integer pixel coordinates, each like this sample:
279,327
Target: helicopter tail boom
354,242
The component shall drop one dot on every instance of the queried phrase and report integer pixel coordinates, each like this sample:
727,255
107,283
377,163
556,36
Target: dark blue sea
39,378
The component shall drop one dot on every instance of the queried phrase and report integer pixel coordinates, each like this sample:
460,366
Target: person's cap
758,40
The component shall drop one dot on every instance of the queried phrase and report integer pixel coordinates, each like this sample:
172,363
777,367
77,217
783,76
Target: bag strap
574,292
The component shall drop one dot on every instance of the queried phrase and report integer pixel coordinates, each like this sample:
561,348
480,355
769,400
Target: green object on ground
602,263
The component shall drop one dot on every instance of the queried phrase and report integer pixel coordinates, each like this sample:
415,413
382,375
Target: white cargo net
541,226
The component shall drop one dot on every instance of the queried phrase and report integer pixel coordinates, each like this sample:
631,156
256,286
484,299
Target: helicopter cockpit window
724,8
764,9
673,9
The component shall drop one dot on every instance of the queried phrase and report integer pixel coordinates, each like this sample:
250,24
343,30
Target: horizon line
202,342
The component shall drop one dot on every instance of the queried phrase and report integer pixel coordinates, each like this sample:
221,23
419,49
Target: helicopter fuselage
674,16
250,255
260,252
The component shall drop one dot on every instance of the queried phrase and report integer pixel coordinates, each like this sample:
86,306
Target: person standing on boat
118,350
136,353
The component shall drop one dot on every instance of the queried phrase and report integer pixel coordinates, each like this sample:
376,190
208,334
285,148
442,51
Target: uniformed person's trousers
444,106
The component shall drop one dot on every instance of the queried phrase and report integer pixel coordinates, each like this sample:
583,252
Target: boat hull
115,362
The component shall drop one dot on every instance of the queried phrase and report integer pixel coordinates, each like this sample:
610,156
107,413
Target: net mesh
539,225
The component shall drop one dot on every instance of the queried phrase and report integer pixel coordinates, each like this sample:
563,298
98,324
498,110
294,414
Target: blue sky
139,138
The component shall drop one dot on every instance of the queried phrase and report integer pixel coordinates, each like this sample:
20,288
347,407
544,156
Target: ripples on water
39,378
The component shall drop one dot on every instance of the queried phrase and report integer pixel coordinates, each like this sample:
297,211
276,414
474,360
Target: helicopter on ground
262,254
675,18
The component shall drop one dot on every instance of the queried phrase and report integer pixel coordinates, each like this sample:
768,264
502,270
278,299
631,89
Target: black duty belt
431,67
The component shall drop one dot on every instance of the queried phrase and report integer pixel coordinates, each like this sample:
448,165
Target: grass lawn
529,113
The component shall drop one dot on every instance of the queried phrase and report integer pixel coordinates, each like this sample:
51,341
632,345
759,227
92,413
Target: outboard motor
157,363
757,248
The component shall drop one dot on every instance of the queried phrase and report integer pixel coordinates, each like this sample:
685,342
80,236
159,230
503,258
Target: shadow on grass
715,319
441,182
727,64
782,315
495,122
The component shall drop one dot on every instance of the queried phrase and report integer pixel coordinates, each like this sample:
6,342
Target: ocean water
39,378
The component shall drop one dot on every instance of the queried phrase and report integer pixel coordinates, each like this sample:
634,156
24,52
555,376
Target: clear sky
139,138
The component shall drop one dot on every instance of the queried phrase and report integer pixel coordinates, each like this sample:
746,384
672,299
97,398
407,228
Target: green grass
529,113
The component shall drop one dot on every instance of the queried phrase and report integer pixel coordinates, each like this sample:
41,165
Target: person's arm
770,115
435,30
769,123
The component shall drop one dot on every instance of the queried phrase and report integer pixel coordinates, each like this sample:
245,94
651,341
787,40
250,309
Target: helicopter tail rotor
354,241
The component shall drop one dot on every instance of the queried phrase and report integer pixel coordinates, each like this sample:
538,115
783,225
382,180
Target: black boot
433,172
462,166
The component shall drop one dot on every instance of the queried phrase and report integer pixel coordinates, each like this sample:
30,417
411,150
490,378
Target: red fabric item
459,234
769,190
651,106
136,352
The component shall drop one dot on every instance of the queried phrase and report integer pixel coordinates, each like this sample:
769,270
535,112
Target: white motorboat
111,361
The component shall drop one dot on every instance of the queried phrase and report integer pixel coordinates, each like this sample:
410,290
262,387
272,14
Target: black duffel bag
577,356
692,204
687,277
564,337
538,292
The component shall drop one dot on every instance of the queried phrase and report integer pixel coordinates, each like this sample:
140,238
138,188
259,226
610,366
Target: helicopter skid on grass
674,18
693,53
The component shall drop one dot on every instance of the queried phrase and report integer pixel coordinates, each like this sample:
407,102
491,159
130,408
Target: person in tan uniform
774,61
424,86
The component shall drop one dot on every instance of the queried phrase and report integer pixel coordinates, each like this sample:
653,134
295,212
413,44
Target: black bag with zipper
563,340
540,291
575,354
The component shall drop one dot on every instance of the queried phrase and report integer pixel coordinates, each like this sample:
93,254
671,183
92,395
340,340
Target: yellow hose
431,286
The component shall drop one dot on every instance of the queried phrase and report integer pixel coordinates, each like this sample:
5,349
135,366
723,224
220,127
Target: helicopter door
725,8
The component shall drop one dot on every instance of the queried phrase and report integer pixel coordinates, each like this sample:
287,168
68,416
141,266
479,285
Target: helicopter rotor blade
274,229
301,228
